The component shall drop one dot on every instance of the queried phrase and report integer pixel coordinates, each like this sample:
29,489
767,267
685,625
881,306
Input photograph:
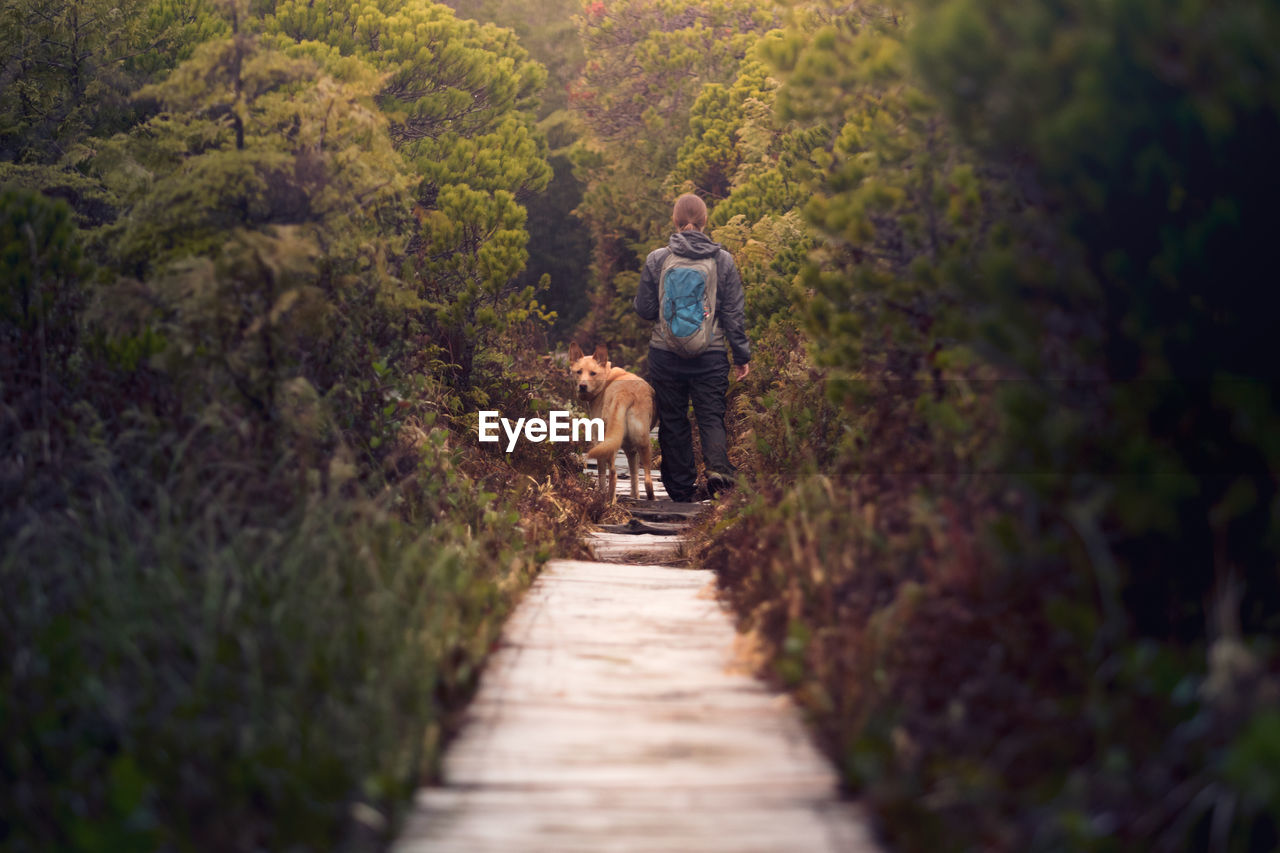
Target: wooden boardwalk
614,718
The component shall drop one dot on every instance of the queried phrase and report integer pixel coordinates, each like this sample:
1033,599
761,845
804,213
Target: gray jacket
730,318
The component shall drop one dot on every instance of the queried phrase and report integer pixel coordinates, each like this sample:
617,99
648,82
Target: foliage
1162,205
460,98
220,675
1026,584
559,246
558,243
43,264
647,62
1007,525
546,29
71,65
271,559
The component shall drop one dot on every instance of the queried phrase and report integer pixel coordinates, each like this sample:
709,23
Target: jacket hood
693,244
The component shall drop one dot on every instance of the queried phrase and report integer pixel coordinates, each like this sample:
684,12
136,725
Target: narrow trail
613,717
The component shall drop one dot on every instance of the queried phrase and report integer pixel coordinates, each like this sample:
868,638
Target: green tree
460,98
1063,200
231,474
546,29
1142,126
646,63
262,206
559,245
71,65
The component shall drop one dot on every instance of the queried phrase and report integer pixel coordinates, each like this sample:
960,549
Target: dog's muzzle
582,390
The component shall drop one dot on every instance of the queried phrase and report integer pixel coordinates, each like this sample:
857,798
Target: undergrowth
962,675
229,627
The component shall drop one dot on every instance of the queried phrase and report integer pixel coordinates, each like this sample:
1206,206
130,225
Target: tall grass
200,669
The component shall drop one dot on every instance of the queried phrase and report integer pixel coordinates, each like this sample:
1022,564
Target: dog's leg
631,466
646,460
613,479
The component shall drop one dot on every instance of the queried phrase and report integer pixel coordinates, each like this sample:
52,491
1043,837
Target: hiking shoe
718,483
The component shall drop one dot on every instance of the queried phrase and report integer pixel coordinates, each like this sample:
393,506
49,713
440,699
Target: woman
679,371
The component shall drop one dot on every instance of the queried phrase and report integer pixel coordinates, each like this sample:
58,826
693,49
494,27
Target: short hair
689,210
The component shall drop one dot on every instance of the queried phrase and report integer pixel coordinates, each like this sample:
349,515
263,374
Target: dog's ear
575,351
602,355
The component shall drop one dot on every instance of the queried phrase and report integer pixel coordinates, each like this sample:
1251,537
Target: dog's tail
615,431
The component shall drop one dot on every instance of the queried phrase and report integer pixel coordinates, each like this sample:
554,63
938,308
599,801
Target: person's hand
740,371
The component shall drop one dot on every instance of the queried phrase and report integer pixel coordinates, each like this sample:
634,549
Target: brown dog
625,402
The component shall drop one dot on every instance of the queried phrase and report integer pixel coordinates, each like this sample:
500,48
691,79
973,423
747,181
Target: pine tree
71,65
262,204
460,98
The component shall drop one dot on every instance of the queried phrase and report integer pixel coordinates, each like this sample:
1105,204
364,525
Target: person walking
692,292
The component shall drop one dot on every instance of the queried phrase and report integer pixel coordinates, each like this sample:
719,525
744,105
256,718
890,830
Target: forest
1007,526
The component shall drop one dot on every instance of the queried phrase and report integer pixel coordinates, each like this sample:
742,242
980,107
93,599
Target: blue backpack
687,303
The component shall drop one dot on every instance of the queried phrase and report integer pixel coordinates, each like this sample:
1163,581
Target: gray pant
676,380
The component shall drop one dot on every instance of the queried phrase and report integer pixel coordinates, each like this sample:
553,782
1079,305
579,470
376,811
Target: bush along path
613,717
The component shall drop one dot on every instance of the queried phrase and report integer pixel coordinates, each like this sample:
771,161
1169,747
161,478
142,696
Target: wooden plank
664,511
613,717
622,487
680,819
686,511
633,547
635,525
